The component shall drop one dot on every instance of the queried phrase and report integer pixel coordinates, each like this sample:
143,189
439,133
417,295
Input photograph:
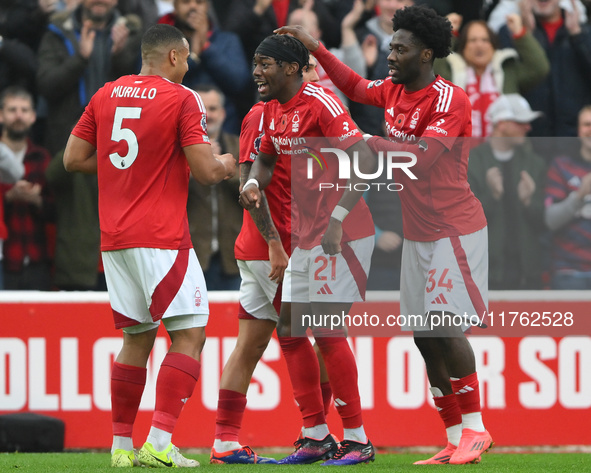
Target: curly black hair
430,29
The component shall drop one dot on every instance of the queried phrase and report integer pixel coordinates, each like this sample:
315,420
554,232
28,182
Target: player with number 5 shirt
144,135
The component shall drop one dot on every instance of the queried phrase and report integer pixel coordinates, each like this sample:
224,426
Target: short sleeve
450,116
334,120
86,128
251,135
266,143
192,121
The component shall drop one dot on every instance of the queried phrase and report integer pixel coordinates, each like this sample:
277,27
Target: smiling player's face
269,77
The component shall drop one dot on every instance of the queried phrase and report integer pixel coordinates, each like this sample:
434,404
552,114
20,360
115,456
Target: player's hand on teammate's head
300,33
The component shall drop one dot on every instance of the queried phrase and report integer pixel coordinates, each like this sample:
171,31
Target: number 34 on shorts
438,278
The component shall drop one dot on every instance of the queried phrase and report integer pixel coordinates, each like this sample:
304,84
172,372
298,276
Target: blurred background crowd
525,64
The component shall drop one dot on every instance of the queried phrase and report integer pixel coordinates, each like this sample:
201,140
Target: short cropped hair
160,35
432,30
16,91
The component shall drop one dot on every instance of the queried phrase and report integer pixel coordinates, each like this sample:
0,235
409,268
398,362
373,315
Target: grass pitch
98,462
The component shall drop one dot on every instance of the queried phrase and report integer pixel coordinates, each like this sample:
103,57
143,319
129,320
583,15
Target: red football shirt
300,125
250,245
440,202
139,125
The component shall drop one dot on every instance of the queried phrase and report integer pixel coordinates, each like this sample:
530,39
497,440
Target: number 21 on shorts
327,266
441,281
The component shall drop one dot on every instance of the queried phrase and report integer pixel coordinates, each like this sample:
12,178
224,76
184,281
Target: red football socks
174,386
342,372
231,405
448,409
304,373
467,393
326,396
127,387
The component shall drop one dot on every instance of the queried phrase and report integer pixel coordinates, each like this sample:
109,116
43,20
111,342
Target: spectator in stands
254,20
147,10
165,7
21,25
375,37
65,4
26,20
468,9
508,178
568,212
498,15
486,72
11,170
28,206
217,57
82,50
566,41
215,216
77,262
18,64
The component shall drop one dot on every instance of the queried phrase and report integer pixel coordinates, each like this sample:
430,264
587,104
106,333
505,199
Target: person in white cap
508,178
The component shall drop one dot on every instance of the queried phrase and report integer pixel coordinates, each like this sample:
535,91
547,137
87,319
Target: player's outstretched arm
429,150
207,168
80,155
346,79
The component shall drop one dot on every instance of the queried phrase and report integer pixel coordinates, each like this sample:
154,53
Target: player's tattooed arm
244,171
264,222
261,216
277,254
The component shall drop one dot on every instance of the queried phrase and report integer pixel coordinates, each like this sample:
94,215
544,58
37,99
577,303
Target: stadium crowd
533,174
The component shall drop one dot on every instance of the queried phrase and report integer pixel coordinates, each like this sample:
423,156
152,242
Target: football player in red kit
334,223
143,134
445,252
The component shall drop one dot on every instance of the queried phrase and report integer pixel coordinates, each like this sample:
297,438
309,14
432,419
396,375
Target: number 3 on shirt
119,133
324,262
